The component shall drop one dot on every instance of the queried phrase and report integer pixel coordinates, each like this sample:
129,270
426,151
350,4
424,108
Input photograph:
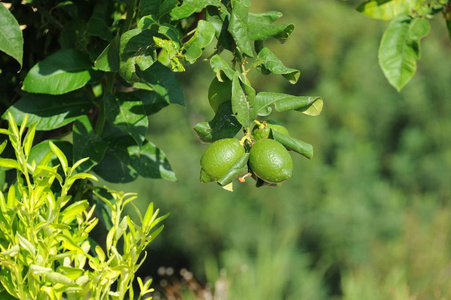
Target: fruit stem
260,124
246,137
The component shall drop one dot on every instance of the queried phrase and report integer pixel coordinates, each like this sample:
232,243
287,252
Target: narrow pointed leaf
400,49
239,168
11,40
283,102
293,144
59,73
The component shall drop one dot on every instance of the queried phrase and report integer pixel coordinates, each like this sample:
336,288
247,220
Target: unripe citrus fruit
270,161
219,92
263,133
220,157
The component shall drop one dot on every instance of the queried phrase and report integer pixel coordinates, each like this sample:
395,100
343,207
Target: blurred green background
368,217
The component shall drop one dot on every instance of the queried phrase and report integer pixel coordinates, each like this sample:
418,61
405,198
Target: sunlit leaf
388,9
11,40
399,49
51,111
59,73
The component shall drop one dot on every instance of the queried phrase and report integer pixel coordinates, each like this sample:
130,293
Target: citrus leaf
239,168
293,144
205,32
260,28
190,7
238,26
125,161
243,102
9,163
400,48
223,125
387,10
87,144
163,81
98,27
50,111
126,112
73,210
148,7
136,49
59,73
39,151
11,40
221,68
267,62
219,18
283,102
152,101
108,60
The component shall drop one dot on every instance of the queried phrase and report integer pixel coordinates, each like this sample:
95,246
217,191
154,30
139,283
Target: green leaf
221,68
388,9
126,112
87,144
152,101
223,125
400,49
108,60
148,7
125,160
98,27
69,213
239,168
39,151
11,40
189,7
163,81
61,157
219,18
260,27
205,32
283,102
59,73
51,112
267,62
243,102
137,49
293,144
238,27
9,163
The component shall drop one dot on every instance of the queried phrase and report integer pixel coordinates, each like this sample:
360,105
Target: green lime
270,161
219,92
262,131
219,157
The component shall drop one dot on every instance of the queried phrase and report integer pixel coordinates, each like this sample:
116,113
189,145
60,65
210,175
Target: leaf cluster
46,245
399,48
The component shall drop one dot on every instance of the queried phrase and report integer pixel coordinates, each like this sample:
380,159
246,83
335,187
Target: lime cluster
257,155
